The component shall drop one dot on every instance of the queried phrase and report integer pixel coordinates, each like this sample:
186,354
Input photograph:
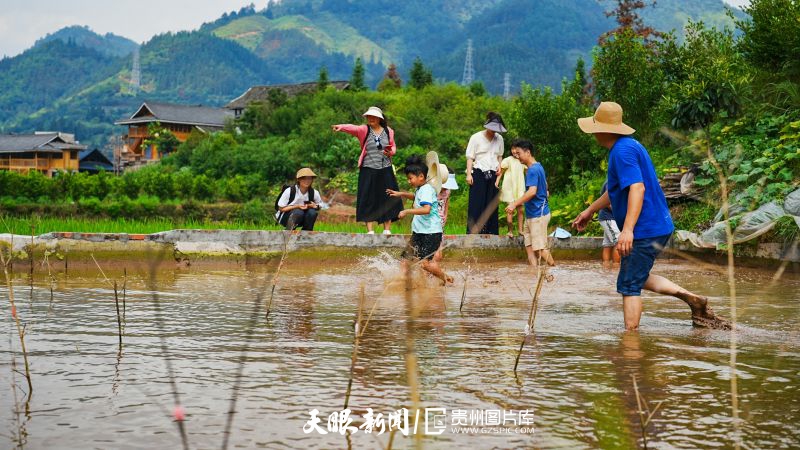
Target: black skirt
373,204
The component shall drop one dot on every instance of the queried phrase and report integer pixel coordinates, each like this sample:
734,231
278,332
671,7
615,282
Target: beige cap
305,172
607,119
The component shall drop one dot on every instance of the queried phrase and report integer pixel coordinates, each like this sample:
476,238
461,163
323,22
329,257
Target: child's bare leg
433,268
607,257
510,223
521,219
533,259
548,257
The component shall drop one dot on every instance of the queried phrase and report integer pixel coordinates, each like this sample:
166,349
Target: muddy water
574,378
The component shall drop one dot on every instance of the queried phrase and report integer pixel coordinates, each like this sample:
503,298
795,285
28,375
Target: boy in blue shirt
640,210
537,209
426,227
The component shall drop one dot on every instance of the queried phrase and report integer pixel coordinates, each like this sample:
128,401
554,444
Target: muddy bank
244,246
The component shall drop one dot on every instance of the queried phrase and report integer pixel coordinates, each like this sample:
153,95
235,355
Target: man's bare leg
702,315
632,311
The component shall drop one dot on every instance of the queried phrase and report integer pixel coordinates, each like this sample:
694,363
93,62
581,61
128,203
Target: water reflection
575,373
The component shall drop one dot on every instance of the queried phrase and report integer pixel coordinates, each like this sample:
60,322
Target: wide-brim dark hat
495,126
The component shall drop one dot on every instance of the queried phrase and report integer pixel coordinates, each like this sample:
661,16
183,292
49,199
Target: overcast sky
22,22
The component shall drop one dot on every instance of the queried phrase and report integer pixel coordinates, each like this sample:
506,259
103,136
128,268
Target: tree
420,76
628,71
357,79
771,39
628,18
706,77
579,87
477,88
322,81
391,79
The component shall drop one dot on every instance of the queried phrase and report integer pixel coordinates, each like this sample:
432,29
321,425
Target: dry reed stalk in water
412,370
643,410
278,272
737,432
15,316
356,339
116,299
464,291
531,314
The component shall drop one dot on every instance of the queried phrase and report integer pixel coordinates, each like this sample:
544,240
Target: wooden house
180,120
94,161
45,152
260,94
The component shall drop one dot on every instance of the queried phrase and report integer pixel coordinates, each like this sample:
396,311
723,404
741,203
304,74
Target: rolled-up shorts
610,232
423,246
536,232
635,268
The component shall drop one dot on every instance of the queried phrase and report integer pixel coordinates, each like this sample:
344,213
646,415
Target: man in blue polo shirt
640,210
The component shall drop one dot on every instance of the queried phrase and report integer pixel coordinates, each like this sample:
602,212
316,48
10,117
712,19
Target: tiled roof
50,142
179,114
261,93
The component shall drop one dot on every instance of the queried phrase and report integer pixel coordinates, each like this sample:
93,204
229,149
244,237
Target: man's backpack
292,194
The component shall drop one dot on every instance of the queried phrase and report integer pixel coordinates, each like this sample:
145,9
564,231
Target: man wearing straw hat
640,210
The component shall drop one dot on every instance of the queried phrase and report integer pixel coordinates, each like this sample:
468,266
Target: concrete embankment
194,245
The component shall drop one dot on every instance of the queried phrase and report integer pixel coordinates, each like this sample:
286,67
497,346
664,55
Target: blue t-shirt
429,223
629,163
605,213
538,205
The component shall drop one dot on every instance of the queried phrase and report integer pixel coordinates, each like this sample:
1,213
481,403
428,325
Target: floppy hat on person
494,125
451,182
374,111
305,172
607,119
437,172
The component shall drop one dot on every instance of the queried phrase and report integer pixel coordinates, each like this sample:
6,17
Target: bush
550,122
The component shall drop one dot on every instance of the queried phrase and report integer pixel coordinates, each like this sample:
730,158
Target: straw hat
374,111
437,172
607,119
305,172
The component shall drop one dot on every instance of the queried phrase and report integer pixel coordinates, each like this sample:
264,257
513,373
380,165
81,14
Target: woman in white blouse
484,153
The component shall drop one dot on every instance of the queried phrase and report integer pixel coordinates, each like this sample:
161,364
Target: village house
261,94
94,161
180,120
44,152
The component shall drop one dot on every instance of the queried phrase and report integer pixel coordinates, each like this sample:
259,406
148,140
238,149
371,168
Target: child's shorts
610,232
634,269
535,235
423,246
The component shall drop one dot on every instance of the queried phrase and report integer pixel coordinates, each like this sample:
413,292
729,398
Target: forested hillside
77,81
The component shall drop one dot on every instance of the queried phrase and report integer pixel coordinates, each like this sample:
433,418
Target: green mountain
45,73
109,44
535,41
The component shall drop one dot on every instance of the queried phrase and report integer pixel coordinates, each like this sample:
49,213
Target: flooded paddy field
202,332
